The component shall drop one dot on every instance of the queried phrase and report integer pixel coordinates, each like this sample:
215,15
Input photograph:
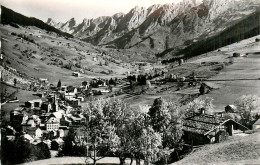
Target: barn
256,125
236,55
201,128
230,109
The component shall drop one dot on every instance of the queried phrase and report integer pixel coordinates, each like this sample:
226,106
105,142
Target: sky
63,10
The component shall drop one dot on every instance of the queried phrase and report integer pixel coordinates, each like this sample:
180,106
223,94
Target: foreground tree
165,118
247,108
68,148
16,151
197,104
100,133
149,144
121,116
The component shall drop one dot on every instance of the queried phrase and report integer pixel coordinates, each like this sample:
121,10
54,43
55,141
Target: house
201,128
69,96
230,109
85,84
63,89
32,104
16,118
38,133
74,102
59,114
76,74
46,107
29,123
52,124
31,131
256,125
81,98
28,138
65,122
40,94
61,133
70,93
43,82
236,55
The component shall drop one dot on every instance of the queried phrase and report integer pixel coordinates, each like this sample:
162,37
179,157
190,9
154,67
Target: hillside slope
236,150
12,18
246,28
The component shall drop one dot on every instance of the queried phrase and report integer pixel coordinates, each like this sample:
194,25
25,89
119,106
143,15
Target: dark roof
200,123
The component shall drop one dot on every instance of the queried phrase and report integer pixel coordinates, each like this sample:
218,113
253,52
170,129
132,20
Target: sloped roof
232,106
52,120
30,122
257,122
200,123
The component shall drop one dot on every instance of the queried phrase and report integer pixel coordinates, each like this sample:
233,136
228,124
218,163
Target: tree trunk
137,161
131,161
146,162
94,162
122,161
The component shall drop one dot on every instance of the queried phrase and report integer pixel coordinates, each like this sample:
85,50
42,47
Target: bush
41,151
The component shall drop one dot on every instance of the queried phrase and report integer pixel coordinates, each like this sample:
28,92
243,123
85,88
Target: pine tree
59,84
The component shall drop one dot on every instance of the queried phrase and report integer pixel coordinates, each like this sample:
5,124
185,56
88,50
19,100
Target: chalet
38,133
201,128
65,122
61,133
31,131
206,87
28,137
41,95
52,124
29,123
32,104
256,125
63,89
16,118
98,91
76,74
230,109
81,98
69,96
43,80
74,102
85,84
46,107
59,114
236,55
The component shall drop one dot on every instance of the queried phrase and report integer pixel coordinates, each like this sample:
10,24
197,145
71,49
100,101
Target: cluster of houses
48,118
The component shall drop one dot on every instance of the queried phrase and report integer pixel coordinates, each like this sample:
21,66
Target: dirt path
74,160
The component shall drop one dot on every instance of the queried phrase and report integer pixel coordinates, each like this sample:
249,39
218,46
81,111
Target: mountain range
161,27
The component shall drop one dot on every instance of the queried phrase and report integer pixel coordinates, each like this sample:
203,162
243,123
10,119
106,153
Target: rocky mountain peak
166,25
